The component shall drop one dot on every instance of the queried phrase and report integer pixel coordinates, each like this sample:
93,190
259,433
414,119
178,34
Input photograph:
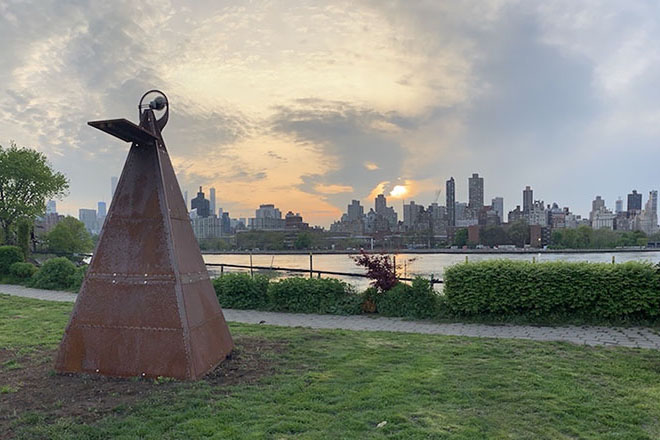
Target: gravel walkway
583,335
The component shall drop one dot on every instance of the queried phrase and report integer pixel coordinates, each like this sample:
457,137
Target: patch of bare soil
29,384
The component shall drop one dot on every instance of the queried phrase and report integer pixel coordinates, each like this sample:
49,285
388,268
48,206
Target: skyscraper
201,204
380,204
212,201
498,206
476,192
619,206
528,199
113,186
101,211
451,202
634,202
355,211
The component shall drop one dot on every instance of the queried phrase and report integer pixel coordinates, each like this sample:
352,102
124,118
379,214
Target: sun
398,191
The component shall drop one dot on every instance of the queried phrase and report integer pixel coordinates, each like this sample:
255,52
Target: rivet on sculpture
146,306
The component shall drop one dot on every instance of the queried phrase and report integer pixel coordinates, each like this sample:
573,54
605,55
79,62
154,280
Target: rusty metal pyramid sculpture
146,306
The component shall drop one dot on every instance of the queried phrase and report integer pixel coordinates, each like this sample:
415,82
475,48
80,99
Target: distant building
355,211
101,211
212,201
603,219
537,214
207,227
88,217
451,202
634,202
51,207
528,199
619,206
498,206
267,217
294,221
598,204
411,213
476,192
515,215
200,204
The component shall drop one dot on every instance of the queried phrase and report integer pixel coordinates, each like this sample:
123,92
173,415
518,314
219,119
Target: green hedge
416,301
241,291
314,295
8,256
302,295
56,273
22,271
556,290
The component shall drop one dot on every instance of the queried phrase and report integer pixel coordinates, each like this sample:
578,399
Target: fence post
222,270
251,271
466,259
533,259
612,259
394,264
311,273
431,280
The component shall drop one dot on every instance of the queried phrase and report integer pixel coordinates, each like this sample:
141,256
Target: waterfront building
207,227
267,217
200,204
537,214
498,206
384,212
515,215
355,211
634,202
451,202
411,215
294,221
528,198
603,219
618,206
476,192
212,201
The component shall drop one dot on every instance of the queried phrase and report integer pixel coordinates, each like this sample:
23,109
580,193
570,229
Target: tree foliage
69,236
460,237
26,181
380,268
584,237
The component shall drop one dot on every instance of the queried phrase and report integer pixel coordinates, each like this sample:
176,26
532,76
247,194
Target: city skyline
309,105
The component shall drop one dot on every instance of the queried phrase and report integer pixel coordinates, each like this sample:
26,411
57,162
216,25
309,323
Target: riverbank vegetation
303,383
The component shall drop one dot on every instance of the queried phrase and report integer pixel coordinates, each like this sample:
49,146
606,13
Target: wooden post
533,259
251,271
466,259
222,270
394,264
311,273
612,259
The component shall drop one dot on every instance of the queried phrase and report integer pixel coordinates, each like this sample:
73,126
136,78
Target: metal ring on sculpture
158,103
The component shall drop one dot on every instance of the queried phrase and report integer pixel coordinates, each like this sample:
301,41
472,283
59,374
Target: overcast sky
310,104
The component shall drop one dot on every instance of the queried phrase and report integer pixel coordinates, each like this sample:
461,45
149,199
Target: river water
411,265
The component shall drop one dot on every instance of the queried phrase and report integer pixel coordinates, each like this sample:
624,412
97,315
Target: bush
22,270
314,295
56,273
416,301
241,291
8,256
556,290
75,281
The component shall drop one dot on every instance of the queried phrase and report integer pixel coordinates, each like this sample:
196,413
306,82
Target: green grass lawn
342,384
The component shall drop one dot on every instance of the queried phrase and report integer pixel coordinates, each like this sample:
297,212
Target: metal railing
311,272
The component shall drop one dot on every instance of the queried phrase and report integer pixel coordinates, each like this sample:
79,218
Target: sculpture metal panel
146,306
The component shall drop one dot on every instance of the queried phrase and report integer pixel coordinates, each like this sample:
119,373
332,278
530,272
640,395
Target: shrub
241,291
380,268
8,256
75,280
314,295
416,301
22,270
593,291
55,273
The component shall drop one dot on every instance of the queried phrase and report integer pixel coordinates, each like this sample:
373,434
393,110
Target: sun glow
398,191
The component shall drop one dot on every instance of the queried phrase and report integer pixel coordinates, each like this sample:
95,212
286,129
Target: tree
23,235
519,233
303,241
26,181
69,236
380,269
493,236
461,237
